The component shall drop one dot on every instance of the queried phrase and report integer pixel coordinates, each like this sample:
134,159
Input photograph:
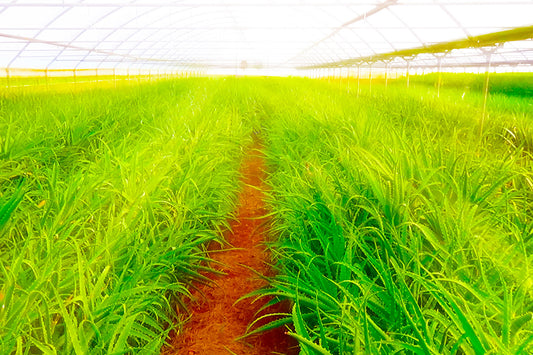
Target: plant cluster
401,222
400,225
107,200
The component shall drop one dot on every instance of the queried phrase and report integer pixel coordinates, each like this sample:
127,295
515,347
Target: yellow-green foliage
108,197
399,225
402,228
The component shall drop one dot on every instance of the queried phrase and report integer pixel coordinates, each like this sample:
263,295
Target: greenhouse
266,177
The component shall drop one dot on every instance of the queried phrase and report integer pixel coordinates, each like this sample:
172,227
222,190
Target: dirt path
216,321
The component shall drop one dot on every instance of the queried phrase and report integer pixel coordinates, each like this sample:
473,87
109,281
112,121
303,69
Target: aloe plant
108,198
400,230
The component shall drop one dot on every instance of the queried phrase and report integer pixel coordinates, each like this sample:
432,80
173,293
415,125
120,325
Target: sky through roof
78,34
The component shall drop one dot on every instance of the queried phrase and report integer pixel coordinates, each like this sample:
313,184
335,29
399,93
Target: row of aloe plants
107,200
508,84
401,225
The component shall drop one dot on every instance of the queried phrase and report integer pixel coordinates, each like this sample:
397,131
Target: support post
488,54
386,74
370,79
358,79
439,80
485,96
439,57
408,60
348,79
407,74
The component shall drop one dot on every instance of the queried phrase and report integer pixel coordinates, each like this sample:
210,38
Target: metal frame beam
486,40
362,17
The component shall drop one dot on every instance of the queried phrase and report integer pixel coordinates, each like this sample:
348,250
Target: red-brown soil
216,321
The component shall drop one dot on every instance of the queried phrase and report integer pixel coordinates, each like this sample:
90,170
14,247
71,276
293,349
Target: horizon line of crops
69,82
107,200
513,84
400,228
518,85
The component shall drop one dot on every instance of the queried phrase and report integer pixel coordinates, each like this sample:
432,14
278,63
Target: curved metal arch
177,43
410,29
186,46
109,34
321,58
82,31
381,34
371,26
324,58
196,30
154,43
315,54
139,30
38,33
317,57
330,48
361,38
457,22
98,43
172,50
352,47
134,33
521,52
373,11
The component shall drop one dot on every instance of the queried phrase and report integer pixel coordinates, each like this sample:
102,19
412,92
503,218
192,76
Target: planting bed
219,316
398,221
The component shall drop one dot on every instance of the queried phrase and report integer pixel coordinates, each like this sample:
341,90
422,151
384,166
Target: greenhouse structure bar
487,40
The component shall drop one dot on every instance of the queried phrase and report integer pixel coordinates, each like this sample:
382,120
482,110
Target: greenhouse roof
77,34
